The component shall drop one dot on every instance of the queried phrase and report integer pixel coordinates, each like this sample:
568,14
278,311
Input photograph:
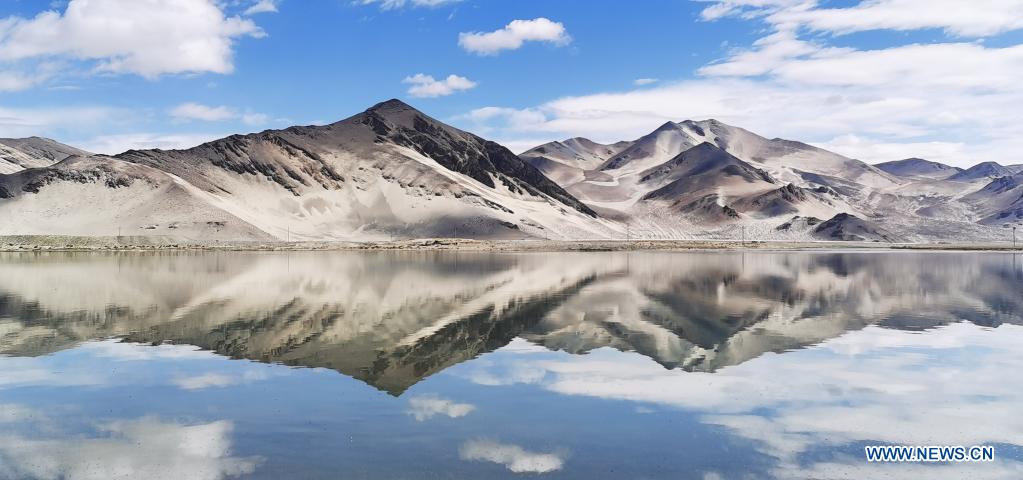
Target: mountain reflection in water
392,319
685,365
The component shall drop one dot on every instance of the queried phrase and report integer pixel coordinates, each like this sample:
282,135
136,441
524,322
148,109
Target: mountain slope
567,162
33,152
702,168
1000,202
102,196
918,167
851,228
389,172
655,148
982,171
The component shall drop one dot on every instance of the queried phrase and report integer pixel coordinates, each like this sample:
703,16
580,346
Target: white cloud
22,122
513,35
145,37
130,352
12,81
255,119
114,144
874,385
144,448
424,407
425,86
509,375
938,151
514,457
835,97
262,6
746,8
195,111
644,81
795,62
206,380
971,19
396,4
514,118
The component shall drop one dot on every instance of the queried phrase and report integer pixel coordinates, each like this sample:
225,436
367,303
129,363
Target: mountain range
393,172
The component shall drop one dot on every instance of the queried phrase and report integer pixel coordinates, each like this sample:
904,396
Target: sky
875,80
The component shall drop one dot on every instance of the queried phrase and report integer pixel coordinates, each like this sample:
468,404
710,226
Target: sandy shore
138,243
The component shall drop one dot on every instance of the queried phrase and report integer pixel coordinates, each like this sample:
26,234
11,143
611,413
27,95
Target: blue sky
876,80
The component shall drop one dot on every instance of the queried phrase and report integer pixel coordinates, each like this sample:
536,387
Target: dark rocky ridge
461,152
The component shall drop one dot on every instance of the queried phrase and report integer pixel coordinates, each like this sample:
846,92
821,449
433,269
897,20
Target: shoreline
56,243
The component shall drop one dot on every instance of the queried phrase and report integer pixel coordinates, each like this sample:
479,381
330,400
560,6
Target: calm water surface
708,366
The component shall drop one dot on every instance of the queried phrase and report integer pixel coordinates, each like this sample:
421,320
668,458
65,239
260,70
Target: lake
393,365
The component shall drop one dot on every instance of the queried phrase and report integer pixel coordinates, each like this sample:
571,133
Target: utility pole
1013,237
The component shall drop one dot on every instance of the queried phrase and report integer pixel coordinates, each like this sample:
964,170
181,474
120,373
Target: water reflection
394,319
791,361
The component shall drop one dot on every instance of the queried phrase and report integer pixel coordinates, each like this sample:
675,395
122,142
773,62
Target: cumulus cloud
396,4
425,86
513,457
424,407
513,35
145,37
143,448
644,81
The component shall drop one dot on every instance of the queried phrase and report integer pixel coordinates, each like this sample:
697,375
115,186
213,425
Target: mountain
567,161
657,147
33,152
848,228
750,186
392,172
13,160
918,167
103,196
983,170
1000,201
707,178
389,172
